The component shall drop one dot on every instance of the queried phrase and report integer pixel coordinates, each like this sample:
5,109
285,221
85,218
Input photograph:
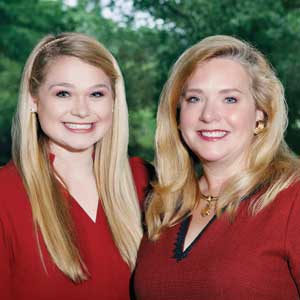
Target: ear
33,103
260,116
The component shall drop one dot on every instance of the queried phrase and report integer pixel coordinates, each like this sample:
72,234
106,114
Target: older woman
232,229
70,135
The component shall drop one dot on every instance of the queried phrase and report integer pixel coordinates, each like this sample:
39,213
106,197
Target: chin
210,158
77,147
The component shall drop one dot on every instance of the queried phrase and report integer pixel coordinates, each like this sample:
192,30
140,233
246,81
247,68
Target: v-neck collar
82,210
178,251
73,199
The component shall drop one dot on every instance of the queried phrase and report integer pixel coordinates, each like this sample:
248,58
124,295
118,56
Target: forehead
219,73
73,68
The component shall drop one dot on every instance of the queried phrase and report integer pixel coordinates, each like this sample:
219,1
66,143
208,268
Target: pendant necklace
210,203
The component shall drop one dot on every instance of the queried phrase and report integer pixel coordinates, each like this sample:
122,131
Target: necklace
210,203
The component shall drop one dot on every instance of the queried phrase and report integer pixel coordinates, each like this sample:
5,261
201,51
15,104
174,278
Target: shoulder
141,169
292,192
291,198
143,173
11,186
287,201
140,166
9,176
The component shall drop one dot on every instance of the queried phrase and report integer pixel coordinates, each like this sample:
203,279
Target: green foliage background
146,53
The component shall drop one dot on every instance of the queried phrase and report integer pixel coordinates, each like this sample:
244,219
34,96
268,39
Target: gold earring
259,128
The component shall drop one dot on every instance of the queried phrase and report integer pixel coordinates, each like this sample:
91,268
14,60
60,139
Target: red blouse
22,275
255,257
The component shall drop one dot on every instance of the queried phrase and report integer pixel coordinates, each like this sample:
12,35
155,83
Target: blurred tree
291,4
9,77
22,23
145,53
271,25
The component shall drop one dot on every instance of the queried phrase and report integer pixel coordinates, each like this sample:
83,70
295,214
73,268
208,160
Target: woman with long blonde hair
223,218
70,137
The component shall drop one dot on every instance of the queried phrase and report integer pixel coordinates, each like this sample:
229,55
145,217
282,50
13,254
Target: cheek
49,108
103,109
45,114
243,122
108,119
186,125
104,116
187,118
49,115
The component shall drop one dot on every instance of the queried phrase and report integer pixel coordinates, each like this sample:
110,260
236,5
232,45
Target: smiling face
74,104
218,113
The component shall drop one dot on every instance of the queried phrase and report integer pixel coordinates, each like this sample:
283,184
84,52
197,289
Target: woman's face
218,113
74,104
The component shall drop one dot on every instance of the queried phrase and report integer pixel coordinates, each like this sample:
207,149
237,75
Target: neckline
71,197
178,252
83,211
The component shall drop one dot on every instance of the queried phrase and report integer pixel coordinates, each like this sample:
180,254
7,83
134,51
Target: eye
193,99
231,100
97,94
62,94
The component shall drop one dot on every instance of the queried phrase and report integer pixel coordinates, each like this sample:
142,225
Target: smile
212,134
78,126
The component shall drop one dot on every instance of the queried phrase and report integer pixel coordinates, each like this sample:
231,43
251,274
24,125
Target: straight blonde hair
271,165
111,167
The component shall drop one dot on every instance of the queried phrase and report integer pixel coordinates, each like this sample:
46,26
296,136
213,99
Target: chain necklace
210,203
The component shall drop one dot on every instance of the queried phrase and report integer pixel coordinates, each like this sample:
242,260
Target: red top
255,257
22,275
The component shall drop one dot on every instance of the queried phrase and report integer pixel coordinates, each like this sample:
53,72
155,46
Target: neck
210,185
72,164
215,174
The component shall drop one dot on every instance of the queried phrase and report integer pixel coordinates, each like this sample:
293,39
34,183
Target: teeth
213,133
78,126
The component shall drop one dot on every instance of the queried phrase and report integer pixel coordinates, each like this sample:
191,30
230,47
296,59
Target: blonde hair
112,171
271,165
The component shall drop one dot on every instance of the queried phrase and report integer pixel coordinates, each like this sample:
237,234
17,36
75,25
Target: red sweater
255,257
22,275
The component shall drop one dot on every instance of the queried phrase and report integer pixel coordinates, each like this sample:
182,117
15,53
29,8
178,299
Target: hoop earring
259,128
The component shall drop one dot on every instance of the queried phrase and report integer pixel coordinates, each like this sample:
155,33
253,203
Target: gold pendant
205,211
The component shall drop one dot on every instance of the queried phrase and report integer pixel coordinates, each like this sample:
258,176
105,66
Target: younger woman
70,136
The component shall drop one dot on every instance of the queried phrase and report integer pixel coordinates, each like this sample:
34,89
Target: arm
143,173
8,184
5,264
293,237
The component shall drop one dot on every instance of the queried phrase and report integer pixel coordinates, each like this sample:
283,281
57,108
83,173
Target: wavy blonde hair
271,164
112,171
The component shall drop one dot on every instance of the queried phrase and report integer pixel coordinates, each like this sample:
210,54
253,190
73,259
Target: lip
79,127
212,135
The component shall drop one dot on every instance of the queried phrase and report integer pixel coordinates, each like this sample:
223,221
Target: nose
209,112
80,107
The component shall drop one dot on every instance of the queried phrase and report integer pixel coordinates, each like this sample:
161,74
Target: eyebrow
223,91
231,90
69,85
